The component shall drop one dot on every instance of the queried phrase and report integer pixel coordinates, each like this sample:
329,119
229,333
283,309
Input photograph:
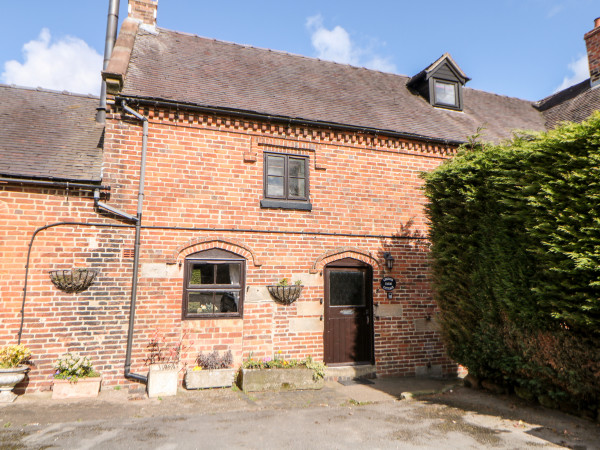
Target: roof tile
49,134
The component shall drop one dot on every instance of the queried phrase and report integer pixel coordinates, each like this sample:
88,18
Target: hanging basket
73,280
285,294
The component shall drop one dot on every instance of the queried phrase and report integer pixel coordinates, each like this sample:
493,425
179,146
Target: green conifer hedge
515,234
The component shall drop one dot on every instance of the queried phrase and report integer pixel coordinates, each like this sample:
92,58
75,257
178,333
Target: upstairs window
285,182
441,83
213,285
445,93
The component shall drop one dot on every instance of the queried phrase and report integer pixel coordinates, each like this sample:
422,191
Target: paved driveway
339,416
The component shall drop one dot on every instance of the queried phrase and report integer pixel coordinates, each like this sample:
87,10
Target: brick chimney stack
592,42
144,11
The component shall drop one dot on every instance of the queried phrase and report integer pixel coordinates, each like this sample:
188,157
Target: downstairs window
213,285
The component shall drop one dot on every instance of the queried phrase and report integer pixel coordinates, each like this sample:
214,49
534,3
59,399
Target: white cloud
66,64
555,10
579,72
336,45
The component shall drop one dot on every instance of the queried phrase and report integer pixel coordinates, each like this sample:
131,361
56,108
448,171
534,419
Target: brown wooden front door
348,313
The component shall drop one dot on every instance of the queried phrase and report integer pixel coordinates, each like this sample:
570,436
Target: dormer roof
441,83
435,67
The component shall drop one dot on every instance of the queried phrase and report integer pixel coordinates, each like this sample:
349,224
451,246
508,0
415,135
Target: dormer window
445,93
441,83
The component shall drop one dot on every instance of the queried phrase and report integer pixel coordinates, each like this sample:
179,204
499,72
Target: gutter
55,184
284,119
136,254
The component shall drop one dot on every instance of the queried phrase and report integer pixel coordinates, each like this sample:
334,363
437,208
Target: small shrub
72,366
13,356
158,352
214,360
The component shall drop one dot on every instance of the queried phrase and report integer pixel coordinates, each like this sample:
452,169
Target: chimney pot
597,22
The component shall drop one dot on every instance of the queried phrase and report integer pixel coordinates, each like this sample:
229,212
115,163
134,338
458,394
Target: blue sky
520,48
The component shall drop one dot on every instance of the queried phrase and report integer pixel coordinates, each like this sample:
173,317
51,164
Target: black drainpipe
136,254
111,37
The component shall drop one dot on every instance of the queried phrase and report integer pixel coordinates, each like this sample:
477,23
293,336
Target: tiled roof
47,134
574,104
185,68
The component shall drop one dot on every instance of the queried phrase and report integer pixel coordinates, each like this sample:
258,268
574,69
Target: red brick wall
207,172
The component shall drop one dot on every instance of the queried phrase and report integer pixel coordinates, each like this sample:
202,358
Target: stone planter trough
82,388
162,380
206,379
9,378
252,380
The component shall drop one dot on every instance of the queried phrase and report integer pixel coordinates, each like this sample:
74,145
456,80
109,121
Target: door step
339,373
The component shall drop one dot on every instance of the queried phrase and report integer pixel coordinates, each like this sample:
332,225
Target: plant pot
82,388
73,280
162,380
209,378
285,294
253,380
9,378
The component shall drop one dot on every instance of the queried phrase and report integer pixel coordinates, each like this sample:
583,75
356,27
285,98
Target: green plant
13,356
515,247
286,282
72,366
318,368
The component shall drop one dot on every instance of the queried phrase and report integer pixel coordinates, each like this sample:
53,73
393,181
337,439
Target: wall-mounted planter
82,388
253,380
285,294
162,380
211,378
73,280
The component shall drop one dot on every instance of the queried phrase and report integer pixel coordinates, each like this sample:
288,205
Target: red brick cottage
256,166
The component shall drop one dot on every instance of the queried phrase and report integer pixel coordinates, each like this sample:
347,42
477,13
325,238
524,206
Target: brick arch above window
342,253
205,243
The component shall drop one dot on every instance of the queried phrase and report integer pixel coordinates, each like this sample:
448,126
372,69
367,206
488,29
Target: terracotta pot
82,388
9,378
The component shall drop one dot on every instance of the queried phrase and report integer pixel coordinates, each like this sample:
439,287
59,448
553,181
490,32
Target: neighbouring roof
574,104
48,134
189,69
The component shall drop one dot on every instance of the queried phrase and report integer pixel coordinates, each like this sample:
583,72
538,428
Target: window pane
223,274
228,301
275,186
296,187
201,303
228,274
275,165
296,168
202,273
445,93
347,288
